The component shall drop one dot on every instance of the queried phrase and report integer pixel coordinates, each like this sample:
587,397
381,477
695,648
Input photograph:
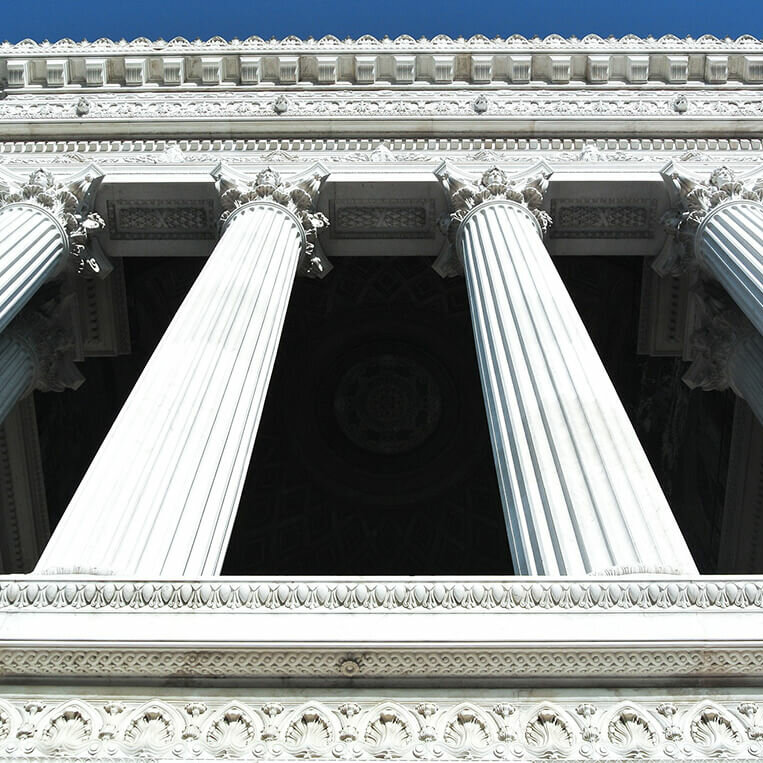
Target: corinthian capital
723,328
300,198
466,193
46,331
495,184
70,204
696,199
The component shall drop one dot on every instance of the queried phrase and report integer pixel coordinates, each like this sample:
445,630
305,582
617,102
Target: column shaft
578,492
730,244
17,368
161,495
745,372
32,243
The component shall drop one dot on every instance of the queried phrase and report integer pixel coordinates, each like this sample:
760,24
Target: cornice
369,42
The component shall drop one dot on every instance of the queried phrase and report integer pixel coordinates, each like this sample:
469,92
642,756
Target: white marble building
482,167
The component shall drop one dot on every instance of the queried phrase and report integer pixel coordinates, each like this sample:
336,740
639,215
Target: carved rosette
45,331
299,198
67,203
494,185
698,199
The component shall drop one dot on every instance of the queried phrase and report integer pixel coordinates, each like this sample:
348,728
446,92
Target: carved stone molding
82,594
723,328
70,204
466,193
507,107
299,198
478,149
344,727
632,663
698,199
367,42
48,331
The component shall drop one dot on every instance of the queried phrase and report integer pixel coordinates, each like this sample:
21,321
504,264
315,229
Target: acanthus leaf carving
299,198
723,329
495,184
697,199
68,203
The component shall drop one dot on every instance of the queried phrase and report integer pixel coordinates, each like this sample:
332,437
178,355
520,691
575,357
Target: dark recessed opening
373,455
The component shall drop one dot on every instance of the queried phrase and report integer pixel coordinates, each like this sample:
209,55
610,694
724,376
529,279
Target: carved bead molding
46,330
466,194
299,198
698,199
82,594
372,728
70,204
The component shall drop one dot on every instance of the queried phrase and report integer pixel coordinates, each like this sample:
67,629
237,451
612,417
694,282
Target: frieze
381,727
503,104
423,595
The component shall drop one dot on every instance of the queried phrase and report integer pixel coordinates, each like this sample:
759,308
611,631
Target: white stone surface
579,494
32,243
161,495
730,244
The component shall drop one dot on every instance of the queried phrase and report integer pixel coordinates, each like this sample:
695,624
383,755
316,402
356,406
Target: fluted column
729,242
161,495
718,231
41,223
579,495
16,372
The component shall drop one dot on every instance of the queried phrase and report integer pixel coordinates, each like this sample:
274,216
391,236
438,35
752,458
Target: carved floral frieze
505,104
436,729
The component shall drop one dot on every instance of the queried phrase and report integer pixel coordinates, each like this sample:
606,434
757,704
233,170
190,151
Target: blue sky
53,19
